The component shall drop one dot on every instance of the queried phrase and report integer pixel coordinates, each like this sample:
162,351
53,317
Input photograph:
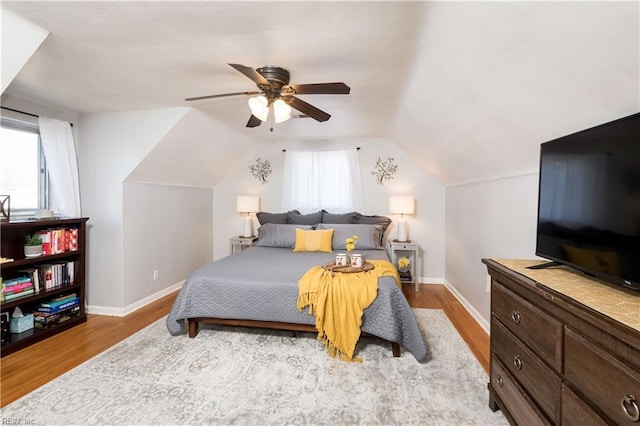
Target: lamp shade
401,204
259,106
247,204
281,111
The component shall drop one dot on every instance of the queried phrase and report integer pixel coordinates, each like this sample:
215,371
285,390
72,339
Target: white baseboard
423,280
121,312
474,313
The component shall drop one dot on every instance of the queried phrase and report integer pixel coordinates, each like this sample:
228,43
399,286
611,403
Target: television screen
589,201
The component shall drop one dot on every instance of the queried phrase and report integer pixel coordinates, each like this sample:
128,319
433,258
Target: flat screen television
589,202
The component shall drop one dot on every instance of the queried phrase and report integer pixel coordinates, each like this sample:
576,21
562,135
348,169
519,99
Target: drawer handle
517,362
630,408
499,381
515,316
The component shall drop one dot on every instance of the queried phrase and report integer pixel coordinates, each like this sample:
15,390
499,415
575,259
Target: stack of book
57,311
16,287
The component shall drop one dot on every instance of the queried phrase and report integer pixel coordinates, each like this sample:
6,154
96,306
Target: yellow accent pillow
313,240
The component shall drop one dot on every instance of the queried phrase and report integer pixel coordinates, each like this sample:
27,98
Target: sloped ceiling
494,80
469,89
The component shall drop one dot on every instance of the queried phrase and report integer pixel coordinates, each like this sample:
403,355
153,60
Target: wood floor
32,367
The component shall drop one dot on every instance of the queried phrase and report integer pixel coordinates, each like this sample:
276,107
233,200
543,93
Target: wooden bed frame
194,323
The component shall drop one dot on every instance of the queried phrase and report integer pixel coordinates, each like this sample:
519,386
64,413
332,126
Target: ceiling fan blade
306,108
198,98
251,73
321,89
253,121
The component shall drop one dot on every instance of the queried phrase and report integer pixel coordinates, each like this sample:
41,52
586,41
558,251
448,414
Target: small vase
349,252
32,251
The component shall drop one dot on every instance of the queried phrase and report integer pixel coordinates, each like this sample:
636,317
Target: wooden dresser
565,348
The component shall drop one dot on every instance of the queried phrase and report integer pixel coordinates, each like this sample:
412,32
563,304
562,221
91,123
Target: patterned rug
251,376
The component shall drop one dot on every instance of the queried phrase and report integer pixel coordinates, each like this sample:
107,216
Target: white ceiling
470,89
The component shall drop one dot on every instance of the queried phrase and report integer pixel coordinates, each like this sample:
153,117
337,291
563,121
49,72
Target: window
22,166
329,180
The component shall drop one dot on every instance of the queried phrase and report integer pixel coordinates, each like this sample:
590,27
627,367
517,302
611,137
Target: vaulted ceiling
470,89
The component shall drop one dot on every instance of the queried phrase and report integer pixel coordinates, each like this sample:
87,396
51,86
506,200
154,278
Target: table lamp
247,204
401,204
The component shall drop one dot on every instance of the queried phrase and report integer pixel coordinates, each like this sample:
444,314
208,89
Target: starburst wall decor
261,170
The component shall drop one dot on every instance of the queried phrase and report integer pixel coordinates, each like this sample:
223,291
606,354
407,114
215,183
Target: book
45,236
33,274
73,239
47,272
17,288
23,280
71,270
10,282
62,297
27,292
58,300
59,308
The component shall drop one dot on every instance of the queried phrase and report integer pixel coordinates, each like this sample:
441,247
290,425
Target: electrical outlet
155,274
488,289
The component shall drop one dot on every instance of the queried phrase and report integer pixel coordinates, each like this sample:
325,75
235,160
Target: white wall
166,229
110,146
489,219
426,226
20,39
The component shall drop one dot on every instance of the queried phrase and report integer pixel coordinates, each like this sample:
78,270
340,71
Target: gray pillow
369,236
304,219
340,217
375,220
278,235
264,217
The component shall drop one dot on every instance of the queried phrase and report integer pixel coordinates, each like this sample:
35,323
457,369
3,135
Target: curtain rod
284,150
25,113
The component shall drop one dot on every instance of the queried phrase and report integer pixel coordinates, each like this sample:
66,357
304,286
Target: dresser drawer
518,404
605,381
537,379
576,412
538,330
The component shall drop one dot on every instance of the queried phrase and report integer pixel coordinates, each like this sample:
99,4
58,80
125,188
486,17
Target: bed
258,287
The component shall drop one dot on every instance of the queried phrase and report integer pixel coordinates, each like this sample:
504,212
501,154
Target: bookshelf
12,236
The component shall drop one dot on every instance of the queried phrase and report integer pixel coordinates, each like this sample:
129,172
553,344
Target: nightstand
240,243
411,250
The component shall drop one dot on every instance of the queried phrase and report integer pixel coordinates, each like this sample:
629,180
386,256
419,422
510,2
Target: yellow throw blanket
338,301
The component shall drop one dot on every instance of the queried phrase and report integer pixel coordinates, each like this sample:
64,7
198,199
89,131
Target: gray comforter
261,283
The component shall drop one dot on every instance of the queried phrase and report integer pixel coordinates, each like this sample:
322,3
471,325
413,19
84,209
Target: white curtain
62,164
329,180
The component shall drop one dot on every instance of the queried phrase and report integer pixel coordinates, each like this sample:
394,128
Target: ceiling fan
278,95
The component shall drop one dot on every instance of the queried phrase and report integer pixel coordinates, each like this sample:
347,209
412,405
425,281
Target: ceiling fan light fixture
281,111
259,106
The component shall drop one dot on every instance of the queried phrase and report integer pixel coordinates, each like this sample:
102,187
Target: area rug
252,376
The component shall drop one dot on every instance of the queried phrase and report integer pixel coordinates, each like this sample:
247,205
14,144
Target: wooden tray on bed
368,266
